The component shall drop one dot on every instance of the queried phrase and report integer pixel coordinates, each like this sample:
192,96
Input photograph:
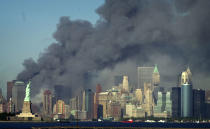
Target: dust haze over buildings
130,33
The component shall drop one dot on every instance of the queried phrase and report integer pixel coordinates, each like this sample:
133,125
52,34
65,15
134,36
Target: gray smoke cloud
130,33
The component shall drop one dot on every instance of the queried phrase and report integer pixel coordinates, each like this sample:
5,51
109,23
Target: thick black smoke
170,33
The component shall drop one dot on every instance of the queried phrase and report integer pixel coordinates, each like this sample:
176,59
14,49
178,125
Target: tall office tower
144,76
139,96
156,76
186,94
168,107
186,100
96,100
176,102
47,103
88,103
118,80
9,90
148,100
198,103
125,84
18,94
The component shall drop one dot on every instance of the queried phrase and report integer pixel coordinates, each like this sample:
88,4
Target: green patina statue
27,97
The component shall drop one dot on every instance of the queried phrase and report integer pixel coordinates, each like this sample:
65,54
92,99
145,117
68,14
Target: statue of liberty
27,97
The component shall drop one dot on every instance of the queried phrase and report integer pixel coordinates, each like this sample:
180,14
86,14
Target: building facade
47,103
186,100
88,103
18,95
176,102
198,103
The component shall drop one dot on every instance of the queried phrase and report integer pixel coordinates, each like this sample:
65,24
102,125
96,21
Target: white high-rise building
125,84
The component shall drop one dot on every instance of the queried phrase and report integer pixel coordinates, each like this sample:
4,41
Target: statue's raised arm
27,93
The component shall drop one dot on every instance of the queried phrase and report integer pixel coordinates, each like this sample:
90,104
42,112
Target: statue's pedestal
26,110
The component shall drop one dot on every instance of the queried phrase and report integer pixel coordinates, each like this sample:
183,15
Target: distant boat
128,121
162,121
149,121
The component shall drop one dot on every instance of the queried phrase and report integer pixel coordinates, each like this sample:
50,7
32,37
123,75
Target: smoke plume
129,33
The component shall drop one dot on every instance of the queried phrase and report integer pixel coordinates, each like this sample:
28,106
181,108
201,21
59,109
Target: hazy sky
26,29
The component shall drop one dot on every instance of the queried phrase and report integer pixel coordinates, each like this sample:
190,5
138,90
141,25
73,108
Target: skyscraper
176,102
125,84
145,75
96,100
47,103
9,90
168,107
186,94
156,76
148,100
88,105
198,103
18,94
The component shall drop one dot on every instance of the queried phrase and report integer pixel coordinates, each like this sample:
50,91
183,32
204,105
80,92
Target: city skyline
119,38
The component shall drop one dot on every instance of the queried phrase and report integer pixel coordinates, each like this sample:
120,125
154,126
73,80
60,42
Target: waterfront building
115,110
145,75
198,103
129,109
164,105
96,100
186,100
59,109
176,102
18,94
186,94
47,103
99,111
88,103
104,99
168,107
148,100
138,112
